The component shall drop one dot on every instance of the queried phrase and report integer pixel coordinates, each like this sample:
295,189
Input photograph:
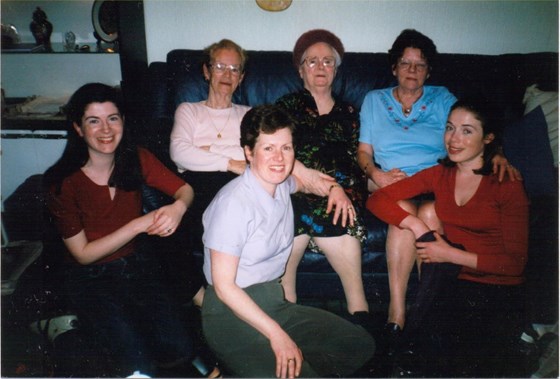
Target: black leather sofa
270,74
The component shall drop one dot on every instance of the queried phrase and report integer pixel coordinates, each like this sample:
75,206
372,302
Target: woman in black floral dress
326,139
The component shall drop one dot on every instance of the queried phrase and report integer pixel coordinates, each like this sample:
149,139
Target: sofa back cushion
271,74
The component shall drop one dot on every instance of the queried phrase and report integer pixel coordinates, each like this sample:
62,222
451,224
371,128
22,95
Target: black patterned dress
327,143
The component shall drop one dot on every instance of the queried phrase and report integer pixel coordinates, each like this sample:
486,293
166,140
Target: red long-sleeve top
84,205
493,224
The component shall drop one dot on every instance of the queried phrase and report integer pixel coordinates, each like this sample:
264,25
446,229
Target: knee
427,213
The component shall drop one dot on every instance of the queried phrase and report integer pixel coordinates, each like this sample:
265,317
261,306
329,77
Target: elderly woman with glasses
326,137
401,134
205,137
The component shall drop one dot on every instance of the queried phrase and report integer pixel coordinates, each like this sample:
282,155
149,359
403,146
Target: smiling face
101,128
272,158
223,82
464,138
411,69
320,75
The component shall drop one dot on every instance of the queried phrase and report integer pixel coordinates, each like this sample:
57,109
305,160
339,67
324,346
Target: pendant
219,135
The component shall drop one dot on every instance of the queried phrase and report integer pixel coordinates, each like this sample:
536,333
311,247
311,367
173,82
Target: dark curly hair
265,119
415,39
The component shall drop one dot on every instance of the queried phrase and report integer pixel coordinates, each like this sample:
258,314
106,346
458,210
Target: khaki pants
331,346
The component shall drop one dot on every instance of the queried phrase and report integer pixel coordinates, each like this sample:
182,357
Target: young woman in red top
489,219
95,197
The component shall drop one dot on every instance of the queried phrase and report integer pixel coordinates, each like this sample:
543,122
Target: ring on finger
169,230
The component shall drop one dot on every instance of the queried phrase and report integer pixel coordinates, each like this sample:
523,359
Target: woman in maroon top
95,198
477,317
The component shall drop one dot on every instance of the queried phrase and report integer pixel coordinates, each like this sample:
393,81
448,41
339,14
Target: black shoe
362,318
392,334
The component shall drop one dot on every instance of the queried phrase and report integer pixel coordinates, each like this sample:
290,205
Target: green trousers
331,346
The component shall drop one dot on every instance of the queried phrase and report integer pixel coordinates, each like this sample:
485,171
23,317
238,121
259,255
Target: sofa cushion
548,100
527,147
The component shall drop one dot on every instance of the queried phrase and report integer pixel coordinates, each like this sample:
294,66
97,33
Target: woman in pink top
477,316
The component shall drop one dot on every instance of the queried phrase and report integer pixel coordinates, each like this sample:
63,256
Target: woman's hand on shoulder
288,355
236,166
500,166
312,181
384,178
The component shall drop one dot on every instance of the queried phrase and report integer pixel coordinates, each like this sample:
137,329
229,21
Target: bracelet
333,186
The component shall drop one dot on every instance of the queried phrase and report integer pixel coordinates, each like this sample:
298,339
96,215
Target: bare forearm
312,181
365,161
87,252
224,271
184,197
246,309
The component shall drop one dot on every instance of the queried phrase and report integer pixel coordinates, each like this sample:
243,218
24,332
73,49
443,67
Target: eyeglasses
406,65
314,61
220,68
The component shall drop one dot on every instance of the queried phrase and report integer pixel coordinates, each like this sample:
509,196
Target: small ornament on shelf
69,41
41,29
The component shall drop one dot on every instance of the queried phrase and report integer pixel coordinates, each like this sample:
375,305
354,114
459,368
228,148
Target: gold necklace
406,111
219,131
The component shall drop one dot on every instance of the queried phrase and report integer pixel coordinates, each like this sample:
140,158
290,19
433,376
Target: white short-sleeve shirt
245,221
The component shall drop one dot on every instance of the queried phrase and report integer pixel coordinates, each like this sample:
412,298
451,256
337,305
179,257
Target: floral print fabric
327,143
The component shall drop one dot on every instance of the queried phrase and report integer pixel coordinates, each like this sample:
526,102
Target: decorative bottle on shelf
41,29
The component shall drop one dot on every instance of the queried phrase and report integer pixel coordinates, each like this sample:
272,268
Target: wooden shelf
34,122
58,48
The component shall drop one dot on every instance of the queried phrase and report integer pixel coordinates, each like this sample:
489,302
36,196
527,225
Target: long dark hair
491,120
127,173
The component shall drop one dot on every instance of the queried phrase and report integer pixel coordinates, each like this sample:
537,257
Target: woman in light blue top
401,134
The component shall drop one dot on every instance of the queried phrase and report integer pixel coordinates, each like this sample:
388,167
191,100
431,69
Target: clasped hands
164,221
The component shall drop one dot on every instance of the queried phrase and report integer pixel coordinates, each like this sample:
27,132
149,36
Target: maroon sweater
493,224
84,205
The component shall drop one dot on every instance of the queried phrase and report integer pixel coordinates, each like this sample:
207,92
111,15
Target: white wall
462,26
456,26
56,75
